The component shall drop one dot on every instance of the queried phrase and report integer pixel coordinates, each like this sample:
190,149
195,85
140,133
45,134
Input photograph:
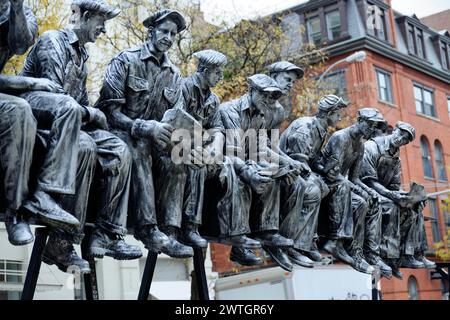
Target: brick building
406,75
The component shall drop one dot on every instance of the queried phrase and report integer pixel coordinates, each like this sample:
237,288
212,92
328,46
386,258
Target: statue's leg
17,137
110,204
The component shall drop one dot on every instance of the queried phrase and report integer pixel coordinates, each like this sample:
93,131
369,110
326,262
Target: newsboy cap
371,114
211,58
408,128
285,66
264,83
98,6
331,102
158,17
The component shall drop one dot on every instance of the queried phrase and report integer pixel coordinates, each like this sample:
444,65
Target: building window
376,22
448,105
11,271
416,45
333,19
413,291
439,159
426,158
337,83
424,101
314,31
445,55
434,213
384,86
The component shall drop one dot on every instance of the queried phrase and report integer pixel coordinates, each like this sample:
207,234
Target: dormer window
416,45
376,22
314,31
333,20
445,55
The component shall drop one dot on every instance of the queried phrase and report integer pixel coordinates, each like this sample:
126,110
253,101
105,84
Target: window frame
440,163
310,34
426,158
389,89
329,28
423,103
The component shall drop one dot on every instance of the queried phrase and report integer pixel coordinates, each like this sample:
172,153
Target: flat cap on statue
285,66
159,16
211,58
330,103
98,6
371,114
264,83
408,128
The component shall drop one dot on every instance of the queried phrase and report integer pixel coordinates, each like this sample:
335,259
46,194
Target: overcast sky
232,10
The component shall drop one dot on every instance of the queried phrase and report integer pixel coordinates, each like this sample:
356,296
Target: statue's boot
428,264
279,257
241,241
174,248
271,239
61,253
244,257
408,261
103,243
49,212
395,266
153,239
298,258
374,260
313,254
191,237
360,264
336,249
19,232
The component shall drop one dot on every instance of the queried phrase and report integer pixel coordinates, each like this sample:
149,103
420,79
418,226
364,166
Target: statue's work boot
50,213
361,265
270,239
408,261
241,241
428,264
374,260
153,239
174,248
299,259
313,253
191,237
19,232
245,257
61,253
335,248
279,257
112,245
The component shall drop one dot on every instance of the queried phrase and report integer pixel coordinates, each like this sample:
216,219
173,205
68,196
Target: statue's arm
22,28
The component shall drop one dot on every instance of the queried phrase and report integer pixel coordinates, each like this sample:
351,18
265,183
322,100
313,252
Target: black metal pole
147,276
35,263
90,280
200,274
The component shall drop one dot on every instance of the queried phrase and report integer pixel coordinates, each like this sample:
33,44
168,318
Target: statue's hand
161,132
97,118
44,84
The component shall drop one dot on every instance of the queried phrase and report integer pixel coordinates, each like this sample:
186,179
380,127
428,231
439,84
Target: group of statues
63,160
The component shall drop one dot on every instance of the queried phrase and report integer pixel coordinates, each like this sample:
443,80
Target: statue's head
369,119
210,65
89,17
285,74
163,26
264,91
329,107
403,134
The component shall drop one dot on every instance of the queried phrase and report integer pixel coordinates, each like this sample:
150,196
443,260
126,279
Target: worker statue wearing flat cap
140,85
215,188
260,215
104,161
18,31
303,141
349,203
400,226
